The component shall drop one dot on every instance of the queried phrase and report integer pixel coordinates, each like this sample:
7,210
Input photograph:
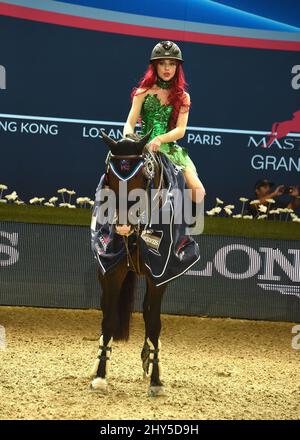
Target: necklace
163,84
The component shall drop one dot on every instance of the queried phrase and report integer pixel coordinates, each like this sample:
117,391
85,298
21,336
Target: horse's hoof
155,391
99,385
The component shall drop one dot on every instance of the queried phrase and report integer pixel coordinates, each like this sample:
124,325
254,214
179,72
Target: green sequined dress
157,115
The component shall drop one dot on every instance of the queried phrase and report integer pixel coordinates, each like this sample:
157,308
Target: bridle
148,162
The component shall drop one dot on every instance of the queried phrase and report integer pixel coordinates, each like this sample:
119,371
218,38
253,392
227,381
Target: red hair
177,97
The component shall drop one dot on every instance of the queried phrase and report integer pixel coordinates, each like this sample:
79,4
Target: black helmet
166,49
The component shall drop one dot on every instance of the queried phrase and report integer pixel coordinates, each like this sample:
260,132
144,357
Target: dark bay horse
118,284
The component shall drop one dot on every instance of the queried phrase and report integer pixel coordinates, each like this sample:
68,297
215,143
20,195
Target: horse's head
130,162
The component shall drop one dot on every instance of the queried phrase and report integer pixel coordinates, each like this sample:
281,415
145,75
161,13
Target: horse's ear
144,141
111,143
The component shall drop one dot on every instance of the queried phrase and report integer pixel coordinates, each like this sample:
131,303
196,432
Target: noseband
147,162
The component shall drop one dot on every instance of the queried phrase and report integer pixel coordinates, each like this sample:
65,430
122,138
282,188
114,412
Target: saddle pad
166,250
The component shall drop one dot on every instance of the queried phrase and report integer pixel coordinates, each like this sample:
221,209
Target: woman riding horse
162,105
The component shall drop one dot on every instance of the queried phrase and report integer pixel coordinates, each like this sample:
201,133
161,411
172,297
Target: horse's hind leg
152,346
111,287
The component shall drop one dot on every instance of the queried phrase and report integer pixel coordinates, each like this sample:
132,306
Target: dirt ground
212,368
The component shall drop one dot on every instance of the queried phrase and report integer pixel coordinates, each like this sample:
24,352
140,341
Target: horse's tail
125,306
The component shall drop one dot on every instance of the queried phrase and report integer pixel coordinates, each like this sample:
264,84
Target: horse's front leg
151,351
111,285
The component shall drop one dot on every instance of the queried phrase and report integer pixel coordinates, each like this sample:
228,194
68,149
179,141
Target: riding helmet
166,49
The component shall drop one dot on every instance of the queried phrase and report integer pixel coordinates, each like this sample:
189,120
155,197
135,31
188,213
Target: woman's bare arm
134,113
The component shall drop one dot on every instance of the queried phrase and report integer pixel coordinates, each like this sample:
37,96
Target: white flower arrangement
243,200
62,192
34,200
262,208
228,211
217,209
71,192
263,211
66,205
83,201
211,212
12,197
2,188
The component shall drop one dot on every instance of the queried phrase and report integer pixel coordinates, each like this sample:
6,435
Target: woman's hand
155,144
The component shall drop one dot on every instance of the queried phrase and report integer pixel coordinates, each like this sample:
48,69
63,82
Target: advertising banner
67,70
53,266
